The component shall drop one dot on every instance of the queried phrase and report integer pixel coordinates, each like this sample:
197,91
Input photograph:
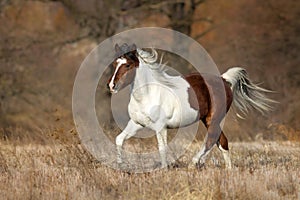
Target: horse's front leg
162,145
129,131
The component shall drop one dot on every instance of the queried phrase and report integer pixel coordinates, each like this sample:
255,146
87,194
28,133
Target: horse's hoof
197,165
157,165
228,167
200,165
191,165
175,165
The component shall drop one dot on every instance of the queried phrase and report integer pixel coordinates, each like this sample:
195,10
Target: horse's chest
138,113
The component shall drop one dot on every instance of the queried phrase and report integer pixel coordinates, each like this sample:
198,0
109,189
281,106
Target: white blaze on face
120,61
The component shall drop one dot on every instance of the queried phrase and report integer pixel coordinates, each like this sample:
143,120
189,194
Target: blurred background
43,43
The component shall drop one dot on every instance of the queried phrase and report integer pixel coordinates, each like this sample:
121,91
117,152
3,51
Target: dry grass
262,170
37,73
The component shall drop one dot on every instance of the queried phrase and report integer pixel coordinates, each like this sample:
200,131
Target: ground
261,170
42,45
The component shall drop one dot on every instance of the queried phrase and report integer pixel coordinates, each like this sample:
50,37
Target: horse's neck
143,79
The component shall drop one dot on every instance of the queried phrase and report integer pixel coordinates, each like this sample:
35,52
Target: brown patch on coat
206,95
198,94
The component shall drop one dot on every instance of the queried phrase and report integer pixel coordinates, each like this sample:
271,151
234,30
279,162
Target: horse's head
124,67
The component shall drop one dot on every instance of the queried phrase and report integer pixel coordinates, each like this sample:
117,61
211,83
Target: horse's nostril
107,85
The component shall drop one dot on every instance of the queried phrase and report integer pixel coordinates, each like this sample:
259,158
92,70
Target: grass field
262,170
42,45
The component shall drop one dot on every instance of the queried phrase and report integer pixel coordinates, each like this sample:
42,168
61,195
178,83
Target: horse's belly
183,117
151,117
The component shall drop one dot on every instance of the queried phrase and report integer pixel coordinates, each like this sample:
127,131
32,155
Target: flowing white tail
247,95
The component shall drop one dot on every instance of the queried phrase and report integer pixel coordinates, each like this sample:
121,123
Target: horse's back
209,93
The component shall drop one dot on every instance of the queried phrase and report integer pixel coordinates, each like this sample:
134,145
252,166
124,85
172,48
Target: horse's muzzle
113,89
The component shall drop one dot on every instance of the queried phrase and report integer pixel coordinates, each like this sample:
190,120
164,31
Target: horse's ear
117,48
133,47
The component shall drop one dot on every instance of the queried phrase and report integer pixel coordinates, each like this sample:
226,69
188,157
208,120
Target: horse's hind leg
223,146
213,134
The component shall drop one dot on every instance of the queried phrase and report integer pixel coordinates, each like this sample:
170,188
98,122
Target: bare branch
205,32
149,6
199,2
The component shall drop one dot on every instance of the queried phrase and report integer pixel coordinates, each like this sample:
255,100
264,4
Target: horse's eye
127,66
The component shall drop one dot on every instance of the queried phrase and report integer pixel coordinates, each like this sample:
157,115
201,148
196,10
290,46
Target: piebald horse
152,103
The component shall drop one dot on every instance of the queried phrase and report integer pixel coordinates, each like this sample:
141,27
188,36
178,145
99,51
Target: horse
152,103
